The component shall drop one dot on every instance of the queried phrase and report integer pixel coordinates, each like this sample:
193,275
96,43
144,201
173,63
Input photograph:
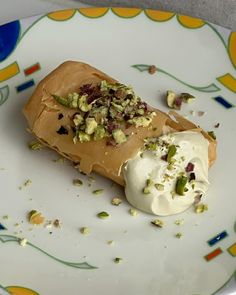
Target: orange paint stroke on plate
93,12
16,290
62,14
232,47
158,15
190,22
228,81
9,71
127,12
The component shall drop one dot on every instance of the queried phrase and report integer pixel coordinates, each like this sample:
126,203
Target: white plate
191,56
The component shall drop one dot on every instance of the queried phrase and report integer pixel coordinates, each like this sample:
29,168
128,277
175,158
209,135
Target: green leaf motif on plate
209,88
4,93
80,265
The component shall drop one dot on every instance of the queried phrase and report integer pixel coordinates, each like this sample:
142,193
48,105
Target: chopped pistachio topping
61,100
103,215
78,119
35,145
149,184
116,201
111,242
179,235
98,191
200,208
212,134
118,260
91,126
35,217
77,182
133,212
171,152
5,217
59,160
85,230
158,223
181,185
23,242
119,136
99,133
27,182
179,221
107,108
159,186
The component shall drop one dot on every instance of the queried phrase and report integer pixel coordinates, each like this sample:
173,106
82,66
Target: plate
192,56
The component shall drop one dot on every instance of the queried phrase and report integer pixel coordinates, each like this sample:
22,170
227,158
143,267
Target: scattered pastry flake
152,69
179,235
35,217
57,223
23,242
116,201
27,183
158,223
111,242
35,145
217,125
179,221
201,113
85,230
103,215
118,260
77,182
98,191
200,208
133,212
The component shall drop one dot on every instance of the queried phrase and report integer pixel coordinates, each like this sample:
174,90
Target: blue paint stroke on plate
9,34
217,238
223,102
2,227
25,85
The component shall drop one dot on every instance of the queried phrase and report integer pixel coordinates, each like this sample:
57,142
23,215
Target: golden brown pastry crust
41,112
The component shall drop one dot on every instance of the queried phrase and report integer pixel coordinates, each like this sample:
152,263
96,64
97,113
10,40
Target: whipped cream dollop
169,175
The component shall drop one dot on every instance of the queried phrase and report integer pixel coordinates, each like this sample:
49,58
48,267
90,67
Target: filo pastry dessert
103,126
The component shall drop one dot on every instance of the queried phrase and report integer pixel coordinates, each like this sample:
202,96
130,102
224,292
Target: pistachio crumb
179,235
118,260
158,223
116,201
59,160
133,212
103,215
179,221
200,208
159,186
23,242
77,182
35,145
111,242
98,191
5,217
85,230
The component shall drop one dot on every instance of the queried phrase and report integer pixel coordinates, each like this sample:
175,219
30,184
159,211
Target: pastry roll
54,123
